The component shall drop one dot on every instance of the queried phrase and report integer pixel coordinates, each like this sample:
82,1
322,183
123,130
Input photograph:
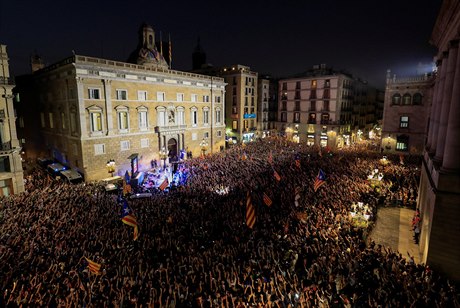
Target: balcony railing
159,129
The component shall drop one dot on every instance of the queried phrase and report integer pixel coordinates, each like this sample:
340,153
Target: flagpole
170,51
161,44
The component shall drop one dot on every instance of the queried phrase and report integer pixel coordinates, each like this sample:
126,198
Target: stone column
433,108
108,105
81,108
437,104
448,86
452,137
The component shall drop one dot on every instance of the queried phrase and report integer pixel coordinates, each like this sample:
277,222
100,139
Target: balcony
169,128
311,121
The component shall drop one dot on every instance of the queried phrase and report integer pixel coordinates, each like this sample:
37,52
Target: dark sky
277,37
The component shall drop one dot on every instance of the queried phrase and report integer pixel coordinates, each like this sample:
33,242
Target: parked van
55,169
71,176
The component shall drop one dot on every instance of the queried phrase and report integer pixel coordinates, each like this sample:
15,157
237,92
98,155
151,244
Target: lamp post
111,167
163,155
204,146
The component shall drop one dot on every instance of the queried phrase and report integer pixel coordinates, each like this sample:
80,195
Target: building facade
439,193
241,102
93,111
316,108
11,173
263,96
405,114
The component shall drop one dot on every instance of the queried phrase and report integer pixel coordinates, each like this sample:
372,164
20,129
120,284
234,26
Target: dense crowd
195,249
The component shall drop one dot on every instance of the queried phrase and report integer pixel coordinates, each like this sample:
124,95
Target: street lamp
111,167
204,146
163,155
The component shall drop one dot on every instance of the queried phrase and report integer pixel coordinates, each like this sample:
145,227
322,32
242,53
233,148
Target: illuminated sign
249,116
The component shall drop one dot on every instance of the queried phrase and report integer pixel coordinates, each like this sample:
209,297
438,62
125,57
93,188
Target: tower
198,56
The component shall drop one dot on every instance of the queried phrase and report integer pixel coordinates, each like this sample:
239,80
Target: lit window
235,125
402,143
396,99
406,99
42,119
404,122
50,116
123,118
194,98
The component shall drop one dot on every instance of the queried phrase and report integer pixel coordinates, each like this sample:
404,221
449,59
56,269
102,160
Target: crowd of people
194,248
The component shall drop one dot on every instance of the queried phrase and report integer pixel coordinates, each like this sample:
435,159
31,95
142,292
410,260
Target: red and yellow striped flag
277,176
268,202
164,184
250,212
93,266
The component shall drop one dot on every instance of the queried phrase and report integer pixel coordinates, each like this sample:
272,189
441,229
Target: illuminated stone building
405,114
326,108
94,110
11,174
315,107
241,102
439,193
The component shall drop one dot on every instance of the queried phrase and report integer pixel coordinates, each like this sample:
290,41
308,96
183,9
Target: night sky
278,37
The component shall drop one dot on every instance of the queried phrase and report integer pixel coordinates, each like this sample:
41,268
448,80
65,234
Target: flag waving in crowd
93,266
127,217
250,212
297,160
268,202
320,180
276,175
164,184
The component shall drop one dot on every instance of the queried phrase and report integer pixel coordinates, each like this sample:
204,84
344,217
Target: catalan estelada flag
93,266
320,180
267,200
127,217
250,212
297,160
276,175
164,184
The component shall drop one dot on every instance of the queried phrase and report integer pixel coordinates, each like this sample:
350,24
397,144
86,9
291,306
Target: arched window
150,39
142,112
194,116
180,118
95,119
406,99
396,99
417,99
123,118
206,116
161,116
